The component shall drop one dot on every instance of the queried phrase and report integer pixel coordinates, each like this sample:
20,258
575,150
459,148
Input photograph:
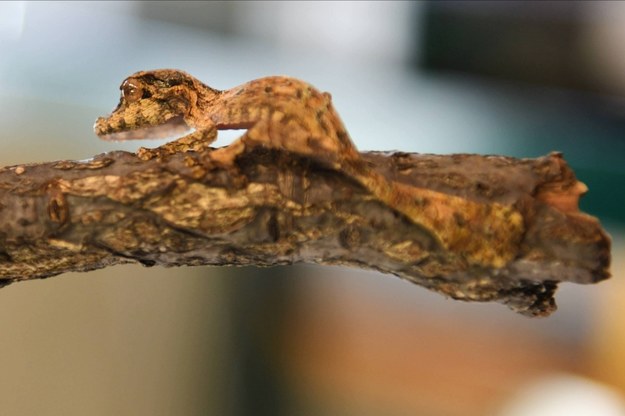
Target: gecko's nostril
101,126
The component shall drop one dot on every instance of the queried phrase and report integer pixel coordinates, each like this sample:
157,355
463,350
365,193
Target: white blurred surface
565,395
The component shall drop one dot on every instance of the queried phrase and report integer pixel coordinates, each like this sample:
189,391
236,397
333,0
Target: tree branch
274,207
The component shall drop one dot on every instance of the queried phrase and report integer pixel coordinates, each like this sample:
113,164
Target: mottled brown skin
288,114
279,112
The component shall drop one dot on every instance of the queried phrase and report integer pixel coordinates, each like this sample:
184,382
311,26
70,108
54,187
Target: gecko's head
153,104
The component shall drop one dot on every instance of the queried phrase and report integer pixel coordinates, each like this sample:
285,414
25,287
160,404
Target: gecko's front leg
196,141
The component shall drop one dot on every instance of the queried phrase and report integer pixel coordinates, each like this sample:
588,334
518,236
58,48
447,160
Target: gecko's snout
100,127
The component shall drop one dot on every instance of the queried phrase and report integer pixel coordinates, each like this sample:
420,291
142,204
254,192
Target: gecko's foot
158,153
225,156
147,154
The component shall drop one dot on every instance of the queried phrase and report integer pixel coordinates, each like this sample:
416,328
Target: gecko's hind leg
226,155
292,133
197,141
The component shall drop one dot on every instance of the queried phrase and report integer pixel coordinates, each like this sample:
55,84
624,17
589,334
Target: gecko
278,112
285,113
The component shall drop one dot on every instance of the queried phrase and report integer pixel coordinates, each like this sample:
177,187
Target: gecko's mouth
171,129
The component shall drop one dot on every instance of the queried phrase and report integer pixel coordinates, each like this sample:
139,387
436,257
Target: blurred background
514,78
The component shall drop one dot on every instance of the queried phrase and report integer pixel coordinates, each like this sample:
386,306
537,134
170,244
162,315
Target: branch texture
273,207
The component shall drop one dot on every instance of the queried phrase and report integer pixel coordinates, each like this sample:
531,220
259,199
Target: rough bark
273,207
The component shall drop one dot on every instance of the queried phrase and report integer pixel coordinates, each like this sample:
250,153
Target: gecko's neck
206,95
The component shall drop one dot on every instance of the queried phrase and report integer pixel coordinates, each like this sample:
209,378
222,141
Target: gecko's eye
131,91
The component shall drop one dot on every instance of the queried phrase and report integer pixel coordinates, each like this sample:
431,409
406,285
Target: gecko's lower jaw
173,128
